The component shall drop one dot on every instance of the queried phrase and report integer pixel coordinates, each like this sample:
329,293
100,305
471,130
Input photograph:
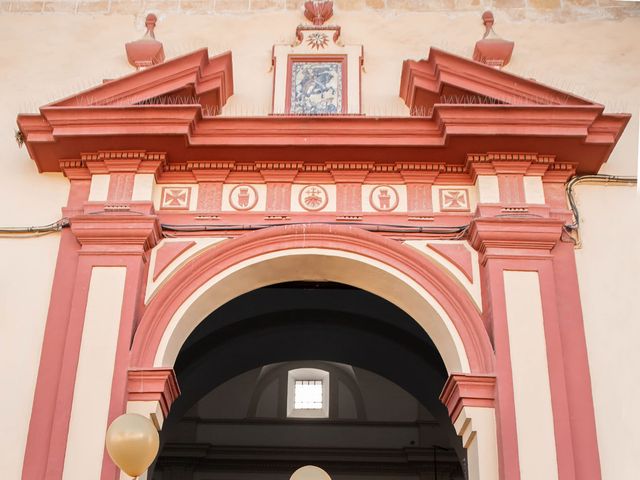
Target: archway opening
365,376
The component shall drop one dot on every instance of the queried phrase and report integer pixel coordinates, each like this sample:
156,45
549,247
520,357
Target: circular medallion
243,197
384,198
313,198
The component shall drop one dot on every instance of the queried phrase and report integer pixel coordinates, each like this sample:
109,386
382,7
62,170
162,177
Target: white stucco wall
45,57
608,267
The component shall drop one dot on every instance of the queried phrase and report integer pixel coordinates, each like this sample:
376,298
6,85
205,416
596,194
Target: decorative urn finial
146,51
318,11
492,50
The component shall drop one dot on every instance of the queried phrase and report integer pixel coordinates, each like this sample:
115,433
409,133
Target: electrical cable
573,229
592,179
457,231
34,231
372,227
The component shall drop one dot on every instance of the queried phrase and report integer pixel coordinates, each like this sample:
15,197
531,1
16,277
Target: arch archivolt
433,296
395,272
160,272
316,264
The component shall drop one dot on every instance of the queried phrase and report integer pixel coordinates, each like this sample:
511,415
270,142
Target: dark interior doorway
369,374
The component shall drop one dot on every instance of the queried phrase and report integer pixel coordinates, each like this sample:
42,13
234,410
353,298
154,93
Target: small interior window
308,395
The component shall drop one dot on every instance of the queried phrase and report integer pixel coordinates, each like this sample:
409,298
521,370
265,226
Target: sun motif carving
318,40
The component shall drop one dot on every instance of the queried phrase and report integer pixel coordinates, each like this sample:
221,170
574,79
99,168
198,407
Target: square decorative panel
175,198
316,87
454,200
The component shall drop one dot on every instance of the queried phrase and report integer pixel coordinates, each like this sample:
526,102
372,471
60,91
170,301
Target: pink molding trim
104,239
462,390
44,438
574,132
571,127
577,376
442,71
189,278
514,238
504,245
167,253
456,254
123,233
154,384
196,75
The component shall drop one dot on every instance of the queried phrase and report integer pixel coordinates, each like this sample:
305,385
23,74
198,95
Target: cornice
184,133
172,107
474,79
153,384
192,75
514,236
116,232
464,390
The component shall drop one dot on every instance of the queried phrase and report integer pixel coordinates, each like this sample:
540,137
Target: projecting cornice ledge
515,237
116,232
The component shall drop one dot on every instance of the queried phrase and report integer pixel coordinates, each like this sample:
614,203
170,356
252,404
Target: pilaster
521,256
470,401
151,392
109,238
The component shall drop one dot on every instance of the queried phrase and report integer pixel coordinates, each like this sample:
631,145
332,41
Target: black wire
372,227
596,178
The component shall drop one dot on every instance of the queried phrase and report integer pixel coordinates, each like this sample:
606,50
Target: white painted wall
531,390
94,377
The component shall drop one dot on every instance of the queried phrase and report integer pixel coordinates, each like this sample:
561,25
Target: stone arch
313,252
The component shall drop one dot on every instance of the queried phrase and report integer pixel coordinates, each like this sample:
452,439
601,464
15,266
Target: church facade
380,239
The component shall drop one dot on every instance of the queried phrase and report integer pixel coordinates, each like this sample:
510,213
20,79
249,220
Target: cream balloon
132,442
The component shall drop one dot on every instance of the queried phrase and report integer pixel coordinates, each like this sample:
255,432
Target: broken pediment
192,79
458,105
447,79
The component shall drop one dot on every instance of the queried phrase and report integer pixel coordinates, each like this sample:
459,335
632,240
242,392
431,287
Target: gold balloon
132,442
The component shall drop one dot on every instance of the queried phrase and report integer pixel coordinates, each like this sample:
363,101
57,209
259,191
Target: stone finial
146,51
488,20
318,11
492,49
150,23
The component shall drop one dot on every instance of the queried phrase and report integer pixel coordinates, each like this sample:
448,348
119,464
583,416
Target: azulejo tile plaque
316,88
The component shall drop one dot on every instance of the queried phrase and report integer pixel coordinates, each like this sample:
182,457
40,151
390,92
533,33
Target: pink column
533,244
42,443
99,236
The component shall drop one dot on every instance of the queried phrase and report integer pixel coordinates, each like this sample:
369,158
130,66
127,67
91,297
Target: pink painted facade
450,199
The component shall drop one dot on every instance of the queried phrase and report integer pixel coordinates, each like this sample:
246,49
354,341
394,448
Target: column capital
124,161
116,233
153,385
468,390
514,237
